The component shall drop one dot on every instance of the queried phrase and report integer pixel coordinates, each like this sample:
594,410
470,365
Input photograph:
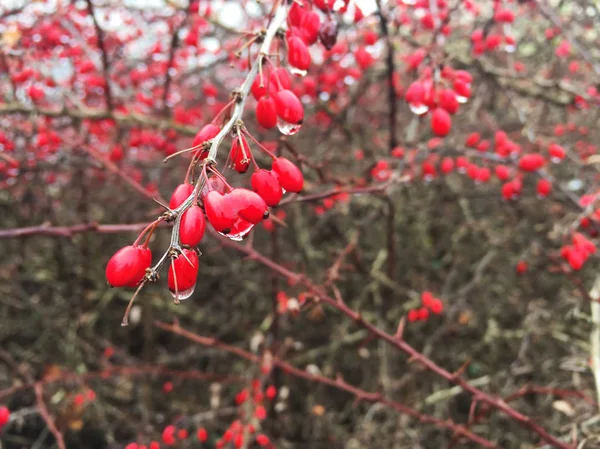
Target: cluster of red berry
429,304
440,92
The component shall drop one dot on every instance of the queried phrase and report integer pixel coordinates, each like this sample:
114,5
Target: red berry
298,54
289,108
266,112
531,162
207,133
557,153
192,226
521,267
423,313
240,154
218,214
280,79
502,172
202,434
436,306
413,315
543,188
447,100
266,184
180,194
440,122
168,435
309,27
290,176
127,267
4,416
271,392
472,140
183,272
262,439
248,204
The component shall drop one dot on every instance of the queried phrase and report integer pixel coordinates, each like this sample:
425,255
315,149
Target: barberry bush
299,223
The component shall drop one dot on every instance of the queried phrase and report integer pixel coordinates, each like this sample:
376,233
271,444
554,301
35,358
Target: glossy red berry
248,204
289,175
309,27
180,194
543,188
202,434
289,108
240,154
447,100
266,184
183,272
298,54
192,226
219,215
557,153
266,112
531,162
440,122
207,133
127,267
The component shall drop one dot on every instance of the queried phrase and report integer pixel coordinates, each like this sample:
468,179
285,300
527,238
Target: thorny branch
399,343
337,383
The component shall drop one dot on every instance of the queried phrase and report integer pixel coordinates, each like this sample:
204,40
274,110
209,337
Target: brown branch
338,383
481,396
125,371
172,50
69,231
123,120
103,55
39,397
393,107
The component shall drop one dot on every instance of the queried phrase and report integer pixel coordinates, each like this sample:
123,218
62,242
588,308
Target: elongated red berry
266,112
207,133
447,100
219,215
240,154
266,184
531,162
127,267
289,108
440,122
298,54
249,205
183,271
289,175
192,226
180,194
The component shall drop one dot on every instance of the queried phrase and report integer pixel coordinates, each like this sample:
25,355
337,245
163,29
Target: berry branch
398,342
338,383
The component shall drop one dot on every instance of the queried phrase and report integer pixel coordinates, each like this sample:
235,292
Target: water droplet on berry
297,72
288,129
418,109
461,99
185,294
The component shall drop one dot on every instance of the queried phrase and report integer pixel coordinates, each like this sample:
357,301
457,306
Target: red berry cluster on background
429,304
578,252
440,92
